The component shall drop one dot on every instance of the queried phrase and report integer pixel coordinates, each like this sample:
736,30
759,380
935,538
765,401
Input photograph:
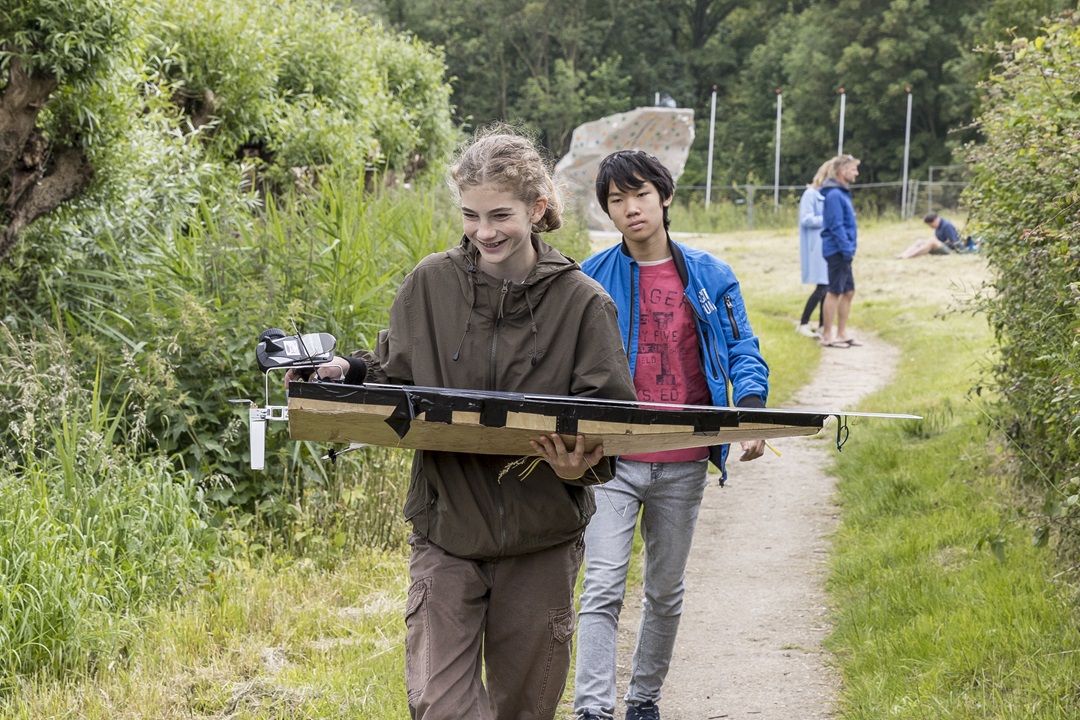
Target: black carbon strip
493,407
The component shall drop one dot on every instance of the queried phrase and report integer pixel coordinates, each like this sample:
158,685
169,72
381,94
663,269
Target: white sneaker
805,331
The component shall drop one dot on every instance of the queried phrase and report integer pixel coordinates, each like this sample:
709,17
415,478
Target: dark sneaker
586,715
644,711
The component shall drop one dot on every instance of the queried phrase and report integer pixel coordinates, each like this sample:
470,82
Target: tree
48,49
212,100
874,50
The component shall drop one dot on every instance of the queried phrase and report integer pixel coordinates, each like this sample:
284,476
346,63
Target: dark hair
630,170
930,217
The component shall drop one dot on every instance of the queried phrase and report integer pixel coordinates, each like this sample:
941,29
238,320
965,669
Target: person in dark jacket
687,336
497,542
839,234
946,240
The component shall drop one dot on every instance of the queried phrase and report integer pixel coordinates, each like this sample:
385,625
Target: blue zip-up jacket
838,232
729,348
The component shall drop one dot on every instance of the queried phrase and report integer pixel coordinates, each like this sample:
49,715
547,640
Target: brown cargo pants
489,640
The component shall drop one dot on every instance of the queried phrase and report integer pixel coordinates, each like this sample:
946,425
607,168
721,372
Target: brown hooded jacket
453,326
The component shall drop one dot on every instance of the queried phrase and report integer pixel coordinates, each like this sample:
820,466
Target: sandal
851,342
835,344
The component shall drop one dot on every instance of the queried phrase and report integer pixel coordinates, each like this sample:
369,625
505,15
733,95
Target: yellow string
532,466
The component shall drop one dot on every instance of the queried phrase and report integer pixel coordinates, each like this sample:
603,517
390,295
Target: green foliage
90,535
156,338
194,304
185,103
302,83
219,60
71,40
1023,195
943,607
569,97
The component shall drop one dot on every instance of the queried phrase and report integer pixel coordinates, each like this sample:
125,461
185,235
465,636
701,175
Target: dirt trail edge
755,615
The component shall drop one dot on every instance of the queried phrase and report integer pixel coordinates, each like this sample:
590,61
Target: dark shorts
841,279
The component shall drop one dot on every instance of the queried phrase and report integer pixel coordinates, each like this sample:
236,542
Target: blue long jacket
730,354
815,270
838,232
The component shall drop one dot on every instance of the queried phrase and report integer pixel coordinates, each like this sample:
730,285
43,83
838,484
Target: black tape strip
401,419
493,414
439,414
566,425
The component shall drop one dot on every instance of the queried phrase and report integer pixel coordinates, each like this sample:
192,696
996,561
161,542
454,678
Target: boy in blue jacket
689,342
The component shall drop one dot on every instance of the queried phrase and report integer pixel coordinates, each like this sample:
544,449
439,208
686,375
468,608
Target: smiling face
639,216
500,226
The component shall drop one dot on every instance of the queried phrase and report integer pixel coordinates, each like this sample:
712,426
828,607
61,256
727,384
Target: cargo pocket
417,639
561,624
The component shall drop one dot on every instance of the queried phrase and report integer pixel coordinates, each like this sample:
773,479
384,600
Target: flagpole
907,149
776,172
712,128
840,141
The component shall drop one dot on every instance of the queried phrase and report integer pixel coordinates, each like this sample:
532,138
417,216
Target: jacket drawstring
472,306
532,322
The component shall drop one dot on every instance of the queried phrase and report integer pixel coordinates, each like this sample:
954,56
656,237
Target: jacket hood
834,183
550,263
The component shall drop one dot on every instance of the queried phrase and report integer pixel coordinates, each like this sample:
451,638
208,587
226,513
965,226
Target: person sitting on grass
946,240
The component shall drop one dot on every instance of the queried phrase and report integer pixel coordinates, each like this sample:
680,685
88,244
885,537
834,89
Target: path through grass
942,607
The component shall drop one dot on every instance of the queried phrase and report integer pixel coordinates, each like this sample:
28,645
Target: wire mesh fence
771,205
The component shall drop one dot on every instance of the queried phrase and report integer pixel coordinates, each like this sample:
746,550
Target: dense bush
301,83
129,312
176,103
1024,196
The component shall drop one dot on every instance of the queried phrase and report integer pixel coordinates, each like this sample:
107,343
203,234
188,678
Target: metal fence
940,190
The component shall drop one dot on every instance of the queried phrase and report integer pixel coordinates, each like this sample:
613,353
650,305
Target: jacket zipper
709,345
494,376
495,335
731,317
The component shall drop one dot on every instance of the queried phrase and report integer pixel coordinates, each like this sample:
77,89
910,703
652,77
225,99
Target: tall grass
721,217
90,536
174,320
726,216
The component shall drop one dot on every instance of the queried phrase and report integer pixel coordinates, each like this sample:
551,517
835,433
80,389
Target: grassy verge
262,641
943,606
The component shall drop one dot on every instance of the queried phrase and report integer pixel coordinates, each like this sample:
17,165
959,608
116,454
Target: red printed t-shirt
668,369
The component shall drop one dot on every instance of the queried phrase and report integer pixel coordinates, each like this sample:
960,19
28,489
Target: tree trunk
20,103
35,178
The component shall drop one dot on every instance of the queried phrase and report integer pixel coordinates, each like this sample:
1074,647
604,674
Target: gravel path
755,616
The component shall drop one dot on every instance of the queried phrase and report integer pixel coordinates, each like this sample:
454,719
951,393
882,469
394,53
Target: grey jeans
667,496
489,639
